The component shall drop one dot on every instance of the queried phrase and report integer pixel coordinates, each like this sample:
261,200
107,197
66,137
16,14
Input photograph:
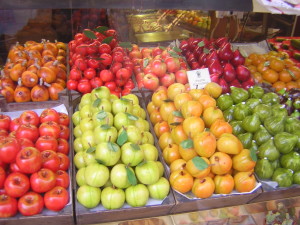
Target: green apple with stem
77,131
112,198
83,159
85,100
86,111
108,153
121,105
133,133
147,137
76,118
88,196
160,189
102,117
147,172
137,195
96,175
80,179
131,154
112,98
105,133
101,104
77,145
86,124
124,119
119,175
133,98
88,139
150,152
140,123
100,92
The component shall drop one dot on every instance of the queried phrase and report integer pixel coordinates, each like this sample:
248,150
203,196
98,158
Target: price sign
198,78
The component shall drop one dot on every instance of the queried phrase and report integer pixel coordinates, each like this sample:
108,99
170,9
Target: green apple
147,172
123,119
88,196
85,100
86,124
105,133
87,139
119,176
121,105
150,152
101,104
83,159
112,198
80,180
76,118
108,153
161,168
112,98
96,175
133,98
137,195
133,133
160,189
136,110
143,113
100,92
77,131
77,145
140,123
86,111
131,154
102,117
147,138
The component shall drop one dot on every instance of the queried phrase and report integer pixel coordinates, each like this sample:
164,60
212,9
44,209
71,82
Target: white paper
198,78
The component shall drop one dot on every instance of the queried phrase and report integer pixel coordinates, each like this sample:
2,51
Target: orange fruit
221,163
288,63
285,76
207,101
261,67
291,84
295,72
278,85
203,187
244,181
224,184
270,76
277,65
181,181
257,77
171,153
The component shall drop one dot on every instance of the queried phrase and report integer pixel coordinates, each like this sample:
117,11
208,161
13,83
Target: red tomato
63,119
9,148
3,133
96,82
84,87
72,85
31,204
80,64
28,131
2,176
16,184
106,59
75,74
63,146
4,122
24,142
46,143
50,160
111,85
106,75
29,117
89,73
8,206
64,132
123,73
29,160
104,48
49,128
93,63
62,178
13,167
49,115
43,180
56,199
64,161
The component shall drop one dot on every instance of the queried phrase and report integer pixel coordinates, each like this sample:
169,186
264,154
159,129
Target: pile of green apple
116,159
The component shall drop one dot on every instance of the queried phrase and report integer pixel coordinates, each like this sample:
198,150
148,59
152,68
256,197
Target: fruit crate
66,215
188,202
99,214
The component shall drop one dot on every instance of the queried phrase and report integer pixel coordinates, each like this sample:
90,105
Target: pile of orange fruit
275,68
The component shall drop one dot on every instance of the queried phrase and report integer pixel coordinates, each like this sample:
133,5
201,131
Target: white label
198,78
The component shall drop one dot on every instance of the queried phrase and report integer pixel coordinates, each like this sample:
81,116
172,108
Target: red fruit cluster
226,67
34,162
159,66
97,60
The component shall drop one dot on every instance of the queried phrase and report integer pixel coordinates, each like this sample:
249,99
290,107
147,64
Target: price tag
198,78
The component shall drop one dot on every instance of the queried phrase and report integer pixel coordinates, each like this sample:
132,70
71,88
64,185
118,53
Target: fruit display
288,45
97,60
116,159
275,68
226,67
158,66
34,162
195,18
203,154
34,72
262,124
